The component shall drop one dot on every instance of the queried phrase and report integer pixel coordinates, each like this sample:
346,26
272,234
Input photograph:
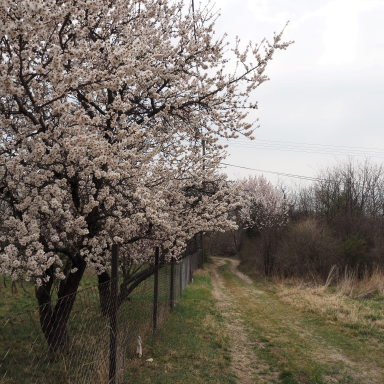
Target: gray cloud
327,88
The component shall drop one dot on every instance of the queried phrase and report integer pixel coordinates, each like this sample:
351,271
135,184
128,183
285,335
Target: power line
314,147
311,144
278,173
308,178
325,150
306,150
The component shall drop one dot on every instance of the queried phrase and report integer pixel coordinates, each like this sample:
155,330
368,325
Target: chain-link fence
91,345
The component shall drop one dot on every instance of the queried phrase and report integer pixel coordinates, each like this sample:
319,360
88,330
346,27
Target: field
228,328
268,333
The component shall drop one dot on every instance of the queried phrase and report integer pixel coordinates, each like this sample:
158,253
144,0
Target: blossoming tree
264,211
103,107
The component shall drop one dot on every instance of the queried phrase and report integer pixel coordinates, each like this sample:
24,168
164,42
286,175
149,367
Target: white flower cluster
264,206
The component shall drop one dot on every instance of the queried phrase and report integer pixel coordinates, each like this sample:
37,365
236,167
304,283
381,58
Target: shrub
308,249
354,251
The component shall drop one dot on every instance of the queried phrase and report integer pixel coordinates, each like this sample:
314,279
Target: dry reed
344,297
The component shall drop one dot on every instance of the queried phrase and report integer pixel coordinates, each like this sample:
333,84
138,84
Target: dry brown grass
370,284
343,298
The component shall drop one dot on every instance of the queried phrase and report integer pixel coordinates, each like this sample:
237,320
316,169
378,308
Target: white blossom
264,206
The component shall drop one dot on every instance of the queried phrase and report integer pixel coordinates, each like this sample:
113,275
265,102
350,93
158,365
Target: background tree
349,198
338,220
335,221
264,212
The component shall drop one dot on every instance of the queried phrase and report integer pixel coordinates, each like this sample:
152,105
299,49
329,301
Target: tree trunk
235,241
54,319
13,287
268,257
129,283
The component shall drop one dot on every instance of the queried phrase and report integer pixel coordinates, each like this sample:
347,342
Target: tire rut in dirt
245,362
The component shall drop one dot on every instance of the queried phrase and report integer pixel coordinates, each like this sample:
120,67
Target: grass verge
23,299
363,315
191,347
303,344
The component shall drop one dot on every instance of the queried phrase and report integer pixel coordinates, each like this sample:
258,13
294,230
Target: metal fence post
181,277
113,315
202,250
172,298
156,289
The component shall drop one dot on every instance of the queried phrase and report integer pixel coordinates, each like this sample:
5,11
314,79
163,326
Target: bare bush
308,249
349,198
222,243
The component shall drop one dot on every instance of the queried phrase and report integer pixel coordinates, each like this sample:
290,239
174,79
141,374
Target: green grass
191,347
23,347
12,303
305,344
24,352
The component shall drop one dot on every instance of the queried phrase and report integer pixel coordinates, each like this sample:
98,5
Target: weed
287,377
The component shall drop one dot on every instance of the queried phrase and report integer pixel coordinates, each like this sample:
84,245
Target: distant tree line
304,231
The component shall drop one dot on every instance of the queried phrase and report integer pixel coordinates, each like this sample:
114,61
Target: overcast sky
327,89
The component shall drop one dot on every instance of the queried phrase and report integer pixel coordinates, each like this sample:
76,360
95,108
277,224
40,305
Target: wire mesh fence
38,346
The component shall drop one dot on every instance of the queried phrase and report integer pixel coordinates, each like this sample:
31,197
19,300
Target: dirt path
270,338
245,363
